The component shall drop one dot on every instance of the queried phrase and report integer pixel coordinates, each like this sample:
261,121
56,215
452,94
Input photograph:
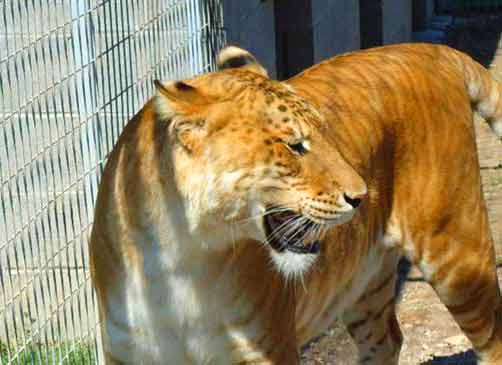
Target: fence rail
72,72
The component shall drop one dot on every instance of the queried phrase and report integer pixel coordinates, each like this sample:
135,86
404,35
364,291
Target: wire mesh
71,74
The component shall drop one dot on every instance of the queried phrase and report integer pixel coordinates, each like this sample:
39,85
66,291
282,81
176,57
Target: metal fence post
86,97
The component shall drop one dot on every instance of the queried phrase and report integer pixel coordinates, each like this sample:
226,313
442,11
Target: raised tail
485,92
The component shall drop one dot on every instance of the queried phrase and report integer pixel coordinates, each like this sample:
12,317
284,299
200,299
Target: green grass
41,354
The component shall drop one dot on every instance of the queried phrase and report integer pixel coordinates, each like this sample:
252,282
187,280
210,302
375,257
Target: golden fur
179,253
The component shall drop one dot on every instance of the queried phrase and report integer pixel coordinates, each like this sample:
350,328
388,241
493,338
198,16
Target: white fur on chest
168,316
368,271
339,300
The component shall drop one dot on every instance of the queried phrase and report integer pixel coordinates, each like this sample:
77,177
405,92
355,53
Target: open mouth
288,230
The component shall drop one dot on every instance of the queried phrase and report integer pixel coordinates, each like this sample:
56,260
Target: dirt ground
431,335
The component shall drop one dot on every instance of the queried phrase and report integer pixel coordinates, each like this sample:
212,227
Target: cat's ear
235,57
181,104
177,97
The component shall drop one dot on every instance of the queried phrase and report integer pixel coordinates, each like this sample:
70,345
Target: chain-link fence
72,72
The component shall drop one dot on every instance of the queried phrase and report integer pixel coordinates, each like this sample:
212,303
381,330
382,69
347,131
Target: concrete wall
287,36
251,25
335,27
423,11
397,21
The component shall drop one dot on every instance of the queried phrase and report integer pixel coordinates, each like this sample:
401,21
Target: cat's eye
300,148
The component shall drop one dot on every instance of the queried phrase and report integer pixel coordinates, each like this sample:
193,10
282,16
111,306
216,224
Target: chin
292,265
293,240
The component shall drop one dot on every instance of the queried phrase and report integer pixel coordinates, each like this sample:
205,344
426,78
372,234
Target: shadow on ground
463,358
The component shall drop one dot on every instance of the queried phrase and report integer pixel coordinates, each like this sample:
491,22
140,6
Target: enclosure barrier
72,72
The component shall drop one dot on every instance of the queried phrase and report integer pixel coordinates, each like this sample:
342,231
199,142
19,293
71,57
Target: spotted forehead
280,100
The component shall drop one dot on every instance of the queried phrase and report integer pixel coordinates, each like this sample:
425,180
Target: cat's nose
354,200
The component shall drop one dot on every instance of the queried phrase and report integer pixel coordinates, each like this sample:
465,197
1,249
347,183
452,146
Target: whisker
232,233
302,281
313,231
294,225
276,209
285,225
318,230
301,223
306,234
